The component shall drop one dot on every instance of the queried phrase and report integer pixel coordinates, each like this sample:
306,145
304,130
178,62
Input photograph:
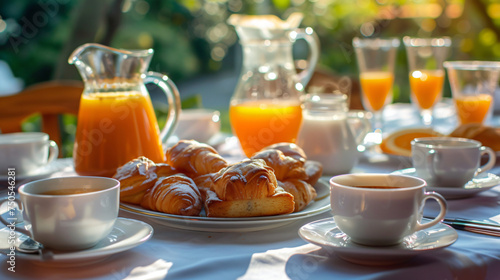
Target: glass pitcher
331,134
116,120
265,107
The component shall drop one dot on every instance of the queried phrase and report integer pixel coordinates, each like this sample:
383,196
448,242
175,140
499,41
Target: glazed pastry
289,149
303,193
135,179
204,183
487,135
314,170
175,194
246,189
194,159
284,167
163,170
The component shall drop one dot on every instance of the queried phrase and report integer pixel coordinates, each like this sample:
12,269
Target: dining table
279,248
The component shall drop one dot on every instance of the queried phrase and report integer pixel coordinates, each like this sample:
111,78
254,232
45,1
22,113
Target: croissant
246,189
289,149
487,135
303,193
176,194
163,170
314,170
284,167
204,182
194,158
135,179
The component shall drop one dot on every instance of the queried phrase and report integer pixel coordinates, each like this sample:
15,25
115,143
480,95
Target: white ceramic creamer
331,134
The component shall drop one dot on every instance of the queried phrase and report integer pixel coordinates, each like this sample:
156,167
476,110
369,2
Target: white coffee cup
197,124
69,213
449,161
380,216
26,152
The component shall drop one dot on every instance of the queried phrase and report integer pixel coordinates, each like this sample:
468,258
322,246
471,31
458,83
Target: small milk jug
331,134
116,120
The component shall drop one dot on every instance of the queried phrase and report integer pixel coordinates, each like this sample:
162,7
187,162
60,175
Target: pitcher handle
312,40
360,124
173,98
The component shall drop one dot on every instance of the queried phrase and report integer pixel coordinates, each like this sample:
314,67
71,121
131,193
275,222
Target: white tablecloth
281,254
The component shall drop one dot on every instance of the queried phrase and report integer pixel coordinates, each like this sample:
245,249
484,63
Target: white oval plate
126,234
327,235
480,183
212,224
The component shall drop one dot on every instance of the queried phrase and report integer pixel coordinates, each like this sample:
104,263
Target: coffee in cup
380,209
69,213
449,161
26,152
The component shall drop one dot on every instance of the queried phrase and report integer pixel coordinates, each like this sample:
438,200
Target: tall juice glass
425,59
473,85
376,59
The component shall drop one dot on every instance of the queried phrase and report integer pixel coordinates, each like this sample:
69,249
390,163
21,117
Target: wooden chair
49,99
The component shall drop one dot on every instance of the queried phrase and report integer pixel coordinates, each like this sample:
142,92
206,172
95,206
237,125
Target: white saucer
326,234
126,234
44,172
478,184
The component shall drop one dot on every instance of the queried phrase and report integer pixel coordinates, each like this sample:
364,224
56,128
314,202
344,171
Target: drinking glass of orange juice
473,84
376,59
425,60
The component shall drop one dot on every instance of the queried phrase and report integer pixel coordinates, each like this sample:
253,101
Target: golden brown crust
163,170
487,135
284,167
247,179
176,194
135,179
289,149
194,159
204,182
246,189
279,203
303,193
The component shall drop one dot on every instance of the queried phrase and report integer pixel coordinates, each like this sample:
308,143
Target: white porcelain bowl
198,124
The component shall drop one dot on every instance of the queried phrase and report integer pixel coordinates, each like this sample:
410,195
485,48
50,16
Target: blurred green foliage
191,37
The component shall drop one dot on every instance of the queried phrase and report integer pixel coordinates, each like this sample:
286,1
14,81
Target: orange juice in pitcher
265,108
258,124
116,120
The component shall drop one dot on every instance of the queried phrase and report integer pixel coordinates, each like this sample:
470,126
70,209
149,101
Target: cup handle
313,42
442,205
13,223
173,98
491,160
53,151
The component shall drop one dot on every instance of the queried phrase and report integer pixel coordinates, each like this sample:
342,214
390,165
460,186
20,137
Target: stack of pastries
488,136
277,180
